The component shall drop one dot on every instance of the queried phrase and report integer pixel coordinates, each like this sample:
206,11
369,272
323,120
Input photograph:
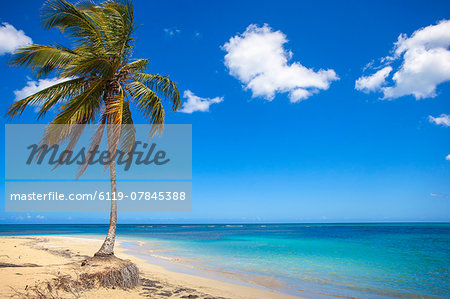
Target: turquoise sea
389,260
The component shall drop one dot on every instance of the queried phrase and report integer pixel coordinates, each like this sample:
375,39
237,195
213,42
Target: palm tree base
103,254
110,272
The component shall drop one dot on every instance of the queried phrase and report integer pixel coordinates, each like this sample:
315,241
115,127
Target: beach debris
10,265
165,294
97,272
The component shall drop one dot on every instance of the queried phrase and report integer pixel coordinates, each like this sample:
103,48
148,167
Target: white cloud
11,38
373,82
34,86
171,32
195,103
258,59
425,63
40,217
438,195
448,157
443,119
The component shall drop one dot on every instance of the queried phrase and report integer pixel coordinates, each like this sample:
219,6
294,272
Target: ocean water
313,260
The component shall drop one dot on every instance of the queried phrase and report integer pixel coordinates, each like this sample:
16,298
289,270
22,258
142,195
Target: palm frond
119,28
95,142
149,104
83,107
138,65
43,59
49,97
55,134
128,133
73,21
89,66
114,108
163,86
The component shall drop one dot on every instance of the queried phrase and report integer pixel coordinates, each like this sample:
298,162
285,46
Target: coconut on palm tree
99,81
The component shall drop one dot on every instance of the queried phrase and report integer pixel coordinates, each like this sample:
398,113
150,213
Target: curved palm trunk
107,248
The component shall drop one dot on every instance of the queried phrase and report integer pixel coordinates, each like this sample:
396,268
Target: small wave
162,257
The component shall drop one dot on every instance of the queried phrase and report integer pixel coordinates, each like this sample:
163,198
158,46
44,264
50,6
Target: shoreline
27,260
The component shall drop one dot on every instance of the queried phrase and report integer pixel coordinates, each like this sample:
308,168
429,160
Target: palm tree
99,81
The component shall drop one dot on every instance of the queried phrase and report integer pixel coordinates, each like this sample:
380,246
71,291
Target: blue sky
310,147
